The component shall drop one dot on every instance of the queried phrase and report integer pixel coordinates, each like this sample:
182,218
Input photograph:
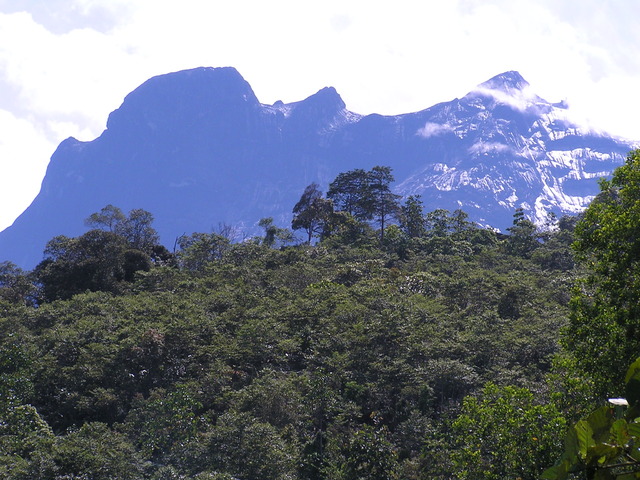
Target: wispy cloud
431,129
488,147
521,100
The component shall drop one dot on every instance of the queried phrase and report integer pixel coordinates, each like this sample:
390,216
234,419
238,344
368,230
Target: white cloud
488,147
23,155
520,100
433,129
610,104
69,76
62,16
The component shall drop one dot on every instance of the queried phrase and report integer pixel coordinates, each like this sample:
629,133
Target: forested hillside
385,343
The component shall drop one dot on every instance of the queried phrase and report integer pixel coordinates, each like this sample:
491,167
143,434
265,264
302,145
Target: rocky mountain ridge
197,148
510,146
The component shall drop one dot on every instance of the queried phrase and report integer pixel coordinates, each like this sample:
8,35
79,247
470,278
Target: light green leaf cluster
606,444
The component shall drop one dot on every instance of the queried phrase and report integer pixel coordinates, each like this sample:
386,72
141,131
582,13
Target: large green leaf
632,412
571,445
593,430
629,476
569,460
632,391
558,472
634,449
620,432
633,371
634,429
632,380
600,422
603,474
602,454
584,437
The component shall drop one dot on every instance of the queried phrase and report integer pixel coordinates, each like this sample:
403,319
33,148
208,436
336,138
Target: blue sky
66,64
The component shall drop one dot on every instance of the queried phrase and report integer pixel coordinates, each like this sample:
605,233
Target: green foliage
412,220
439,222
605,445
523,238
243,447
95,261
384,203
15,285
555,253
506,432
274,236
351,358
23,432
366,454
199,249
345,230
108,218
350,194
101,259
604,329
138,231
313,214
163,420
16,366
366,195
136,228
94,451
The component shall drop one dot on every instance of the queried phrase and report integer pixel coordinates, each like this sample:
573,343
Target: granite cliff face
197,148
502,147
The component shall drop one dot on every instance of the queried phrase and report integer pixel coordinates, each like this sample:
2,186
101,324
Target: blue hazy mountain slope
197,148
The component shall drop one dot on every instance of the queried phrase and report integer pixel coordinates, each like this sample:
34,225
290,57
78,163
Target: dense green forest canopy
386,343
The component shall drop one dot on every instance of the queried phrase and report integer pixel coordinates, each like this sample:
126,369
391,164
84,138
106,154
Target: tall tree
15,284
460,222
350,193
439,222
273,235
506,432
97,260
384,204
523,238
412,220
108,218
312,213
199,249
136,228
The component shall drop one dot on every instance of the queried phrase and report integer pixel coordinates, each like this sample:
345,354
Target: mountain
501,147
197,149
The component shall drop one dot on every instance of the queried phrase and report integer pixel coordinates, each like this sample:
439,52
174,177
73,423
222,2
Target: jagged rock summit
507,82
502,147
197,149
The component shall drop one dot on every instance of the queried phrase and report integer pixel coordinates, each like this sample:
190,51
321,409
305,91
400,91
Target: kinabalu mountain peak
508,147
197,148
507,82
